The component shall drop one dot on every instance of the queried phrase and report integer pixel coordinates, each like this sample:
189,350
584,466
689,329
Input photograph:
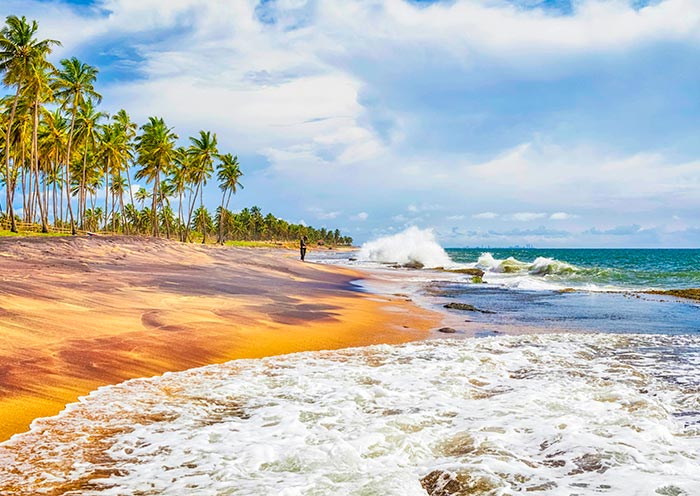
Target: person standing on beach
302,247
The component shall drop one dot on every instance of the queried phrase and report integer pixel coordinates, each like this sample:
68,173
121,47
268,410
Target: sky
552,123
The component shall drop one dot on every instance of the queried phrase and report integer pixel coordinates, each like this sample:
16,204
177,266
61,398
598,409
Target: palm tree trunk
167,215
46,196
55,210
25,206
83,188
131,197
179,218
121,208
106,193
114,200
156,185
228,201
189,214
9,185
222,215
201,204
23,163
60,198
35,164
67,168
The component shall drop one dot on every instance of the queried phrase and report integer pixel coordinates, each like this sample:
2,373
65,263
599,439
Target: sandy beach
80,313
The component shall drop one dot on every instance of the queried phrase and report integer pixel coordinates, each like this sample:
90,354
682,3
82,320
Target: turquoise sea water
524,288
627,268
598,290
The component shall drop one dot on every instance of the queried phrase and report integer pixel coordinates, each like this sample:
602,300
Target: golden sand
79,313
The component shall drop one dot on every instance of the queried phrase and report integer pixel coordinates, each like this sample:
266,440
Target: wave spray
411,245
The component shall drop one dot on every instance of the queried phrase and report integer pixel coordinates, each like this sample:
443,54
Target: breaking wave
541,266
544,273
410,246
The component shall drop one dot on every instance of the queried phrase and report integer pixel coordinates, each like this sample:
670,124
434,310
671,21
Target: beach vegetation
63,154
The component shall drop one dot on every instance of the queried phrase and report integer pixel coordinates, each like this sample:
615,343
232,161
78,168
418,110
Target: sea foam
548,414
411,245
543,273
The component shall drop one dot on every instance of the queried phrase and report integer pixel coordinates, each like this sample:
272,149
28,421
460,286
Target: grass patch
8,233
261,244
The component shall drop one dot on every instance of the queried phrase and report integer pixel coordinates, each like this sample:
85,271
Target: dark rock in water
690,293
352,259
590,462
466,307
443,483
440,483
472,272
447,330
413,264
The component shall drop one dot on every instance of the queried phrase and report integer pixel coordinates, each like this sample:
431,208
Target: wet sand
79,313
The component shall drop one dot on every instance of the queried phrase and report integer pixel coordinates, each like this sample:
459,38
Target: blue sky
544,122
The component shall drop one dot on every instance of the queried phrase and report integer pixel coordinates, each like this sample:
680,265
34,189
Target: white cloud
323,214
485,215
503,30
528,216
423,208
585,177
361,216
284,87
562,216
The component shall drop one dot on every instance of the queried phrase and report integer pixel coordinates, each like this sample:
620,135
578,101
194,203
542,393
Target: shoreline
80,313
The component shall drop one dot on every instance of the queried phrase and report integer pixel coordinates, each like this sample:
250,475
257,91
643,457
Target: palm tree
141,196
73,84
202,221
87,120
228,174
131,216
117,188
38,90
167,219
53,137
18,150
128,129
114,151
156,148
20,53
92,218
179,179
202,153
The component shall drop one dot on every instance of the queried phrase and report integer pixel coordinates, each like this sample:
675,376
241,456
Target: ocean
587,268
601,395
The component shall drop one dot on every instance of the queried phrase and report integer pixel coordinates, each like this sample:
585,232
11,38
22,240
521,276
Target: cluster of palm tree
251,224
60,151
